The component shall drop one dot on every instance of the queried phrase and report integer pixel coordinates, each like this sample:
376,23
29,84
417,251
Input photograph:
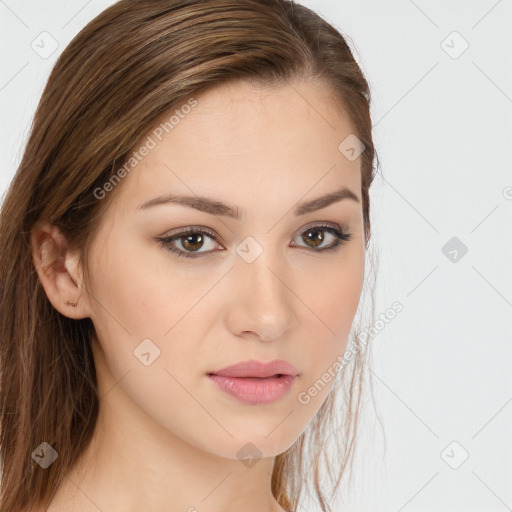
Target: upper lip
257,369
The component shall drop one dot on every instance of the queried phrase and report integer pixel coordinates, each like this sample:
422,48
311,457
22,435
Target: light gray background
443,129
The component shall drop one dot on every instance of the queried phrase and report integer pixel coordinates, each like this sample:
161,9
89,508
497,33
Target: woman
182,257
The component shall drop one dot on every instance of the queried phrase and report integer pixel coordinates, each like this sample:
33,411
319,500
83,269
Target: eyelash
341,238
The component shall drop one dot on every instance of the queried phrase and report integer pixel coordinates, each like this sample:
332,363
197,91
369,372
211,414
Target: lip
257,369
255,382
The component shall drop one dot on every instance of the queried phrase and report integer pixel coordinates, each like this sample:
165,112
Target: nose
262,300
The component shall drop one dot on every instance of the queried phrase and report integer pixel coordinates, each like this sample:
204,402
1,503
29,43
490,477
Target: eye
192,239
315,236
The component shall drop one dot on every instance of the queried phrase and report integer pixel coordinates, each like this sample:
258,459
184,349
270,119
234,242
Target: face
181,292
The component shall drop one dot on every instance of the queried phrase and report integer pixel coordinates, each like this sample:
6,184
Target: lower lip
252,390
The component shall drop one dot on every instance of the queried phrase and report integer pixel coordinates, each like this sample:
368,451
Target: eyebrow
213,207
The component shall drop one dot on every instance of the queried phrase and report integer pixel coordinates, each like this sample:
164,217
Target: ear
59,271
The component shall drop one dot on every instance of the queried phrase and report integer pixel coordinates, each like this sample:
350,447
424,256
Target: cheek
335,305
142,297
333,292
143,292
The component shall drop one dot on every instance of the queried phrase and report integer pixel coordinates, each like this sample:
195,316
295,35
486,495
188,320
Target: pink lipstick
254,382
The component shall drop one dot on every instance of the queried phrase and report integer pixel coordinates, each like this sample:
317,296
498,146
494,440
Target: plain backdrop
441,79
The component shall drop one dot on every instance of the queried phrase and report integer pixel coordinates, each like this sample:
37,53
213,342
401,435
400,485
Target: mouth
254,382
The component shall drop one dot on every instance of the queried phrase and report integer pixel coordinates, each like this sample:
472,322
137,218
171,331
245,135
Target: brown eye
189,242
315,236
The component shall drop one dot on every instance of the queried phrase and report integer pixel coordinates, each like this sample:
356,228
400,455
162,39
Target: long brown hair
133,62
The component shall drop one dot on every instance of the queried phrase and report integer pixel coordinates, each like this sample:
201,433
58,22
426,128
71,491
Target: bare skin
167,437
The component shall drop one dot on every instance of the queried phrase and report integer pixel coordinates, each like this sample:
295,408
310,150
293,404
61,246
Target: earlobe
58,271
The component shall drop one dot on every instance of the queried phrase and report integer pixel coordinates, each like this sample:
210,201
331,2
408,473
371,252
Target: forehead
248,141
